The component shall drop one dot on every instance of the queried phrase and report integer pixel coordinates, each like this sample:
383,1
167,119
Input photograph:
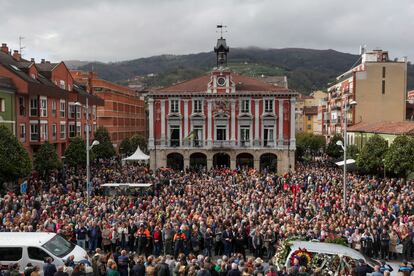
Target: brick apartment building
42,96
124,111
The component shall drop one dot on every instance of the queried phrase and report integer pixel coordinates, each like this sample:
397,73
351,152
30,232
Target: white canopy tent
137,156
348,162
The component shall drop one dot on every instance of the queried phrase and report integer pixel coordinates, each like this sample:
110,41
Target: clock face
221,81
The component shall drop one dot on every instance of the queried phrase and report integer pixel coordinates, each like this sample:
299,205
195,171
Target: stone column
292,124
256,163
256,122
233,122
185,142
209,122
280,138
209,161
151,123
163,118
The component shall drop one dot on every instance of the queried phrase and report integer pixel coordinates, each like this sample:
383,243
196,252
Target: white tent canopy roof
348,161
138,155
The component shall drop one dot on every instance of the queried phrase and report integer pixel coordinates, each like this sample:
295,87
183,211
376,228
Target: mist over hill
307,69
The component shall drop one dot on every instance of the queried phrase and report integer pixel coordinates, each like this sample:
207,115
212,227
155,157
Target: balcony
222,144
245,143
174,143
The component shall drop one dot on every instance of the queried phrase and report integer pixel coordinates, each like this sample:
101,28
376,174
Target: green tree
105,149
309,144
14,159
46,159
352,151
399,158
75,154
333,150
125,147
139,140
372,153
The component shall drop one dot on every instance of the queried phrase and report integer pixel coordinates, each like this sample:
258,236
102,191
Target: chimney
32,60
47,61
42,60
16,55
4,48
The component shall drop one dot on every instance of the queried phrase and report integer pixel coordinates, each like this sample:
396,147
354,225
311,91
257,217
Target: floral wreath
303,255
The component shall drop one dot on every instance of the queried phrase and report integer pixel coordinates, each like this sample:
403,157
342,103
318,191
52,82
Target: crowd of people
217,221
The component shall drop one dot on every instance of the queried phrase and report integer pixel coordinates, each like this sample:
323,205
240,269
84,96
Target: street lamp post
344,145
88,148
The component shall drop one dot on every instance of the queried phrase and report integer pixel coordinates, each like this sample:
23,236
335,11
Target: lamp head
352,103
94,143
339,143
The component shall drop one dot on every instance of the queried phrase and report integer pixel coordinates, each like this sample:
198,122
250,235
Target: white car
34,247
331,249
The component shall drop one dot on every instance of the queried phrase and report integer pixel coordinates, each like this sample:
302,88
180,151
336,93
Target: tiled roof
46,66
398,128
243,83
310,110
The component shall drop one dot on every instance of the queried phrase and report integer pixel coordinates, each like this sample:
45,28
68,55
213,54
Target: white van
331,249
34,247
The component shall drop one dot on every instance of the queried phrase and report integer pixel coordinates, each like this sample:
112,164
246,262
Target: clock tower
221,50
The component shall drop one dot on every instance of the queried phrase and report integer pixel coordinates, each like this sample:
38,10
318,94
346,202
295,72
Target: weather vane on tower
221,27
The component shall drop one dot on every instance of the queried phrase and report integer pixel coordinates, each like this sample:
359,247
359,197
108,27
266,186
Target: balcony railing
245,143
34,137
174,143
222,144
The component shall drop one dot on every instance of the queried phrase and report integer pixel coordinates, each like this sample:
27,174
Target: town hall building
222,119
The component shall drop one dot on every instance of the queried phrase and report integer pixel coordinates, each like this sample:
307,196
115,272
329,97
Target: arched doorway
175,161
221,159
198,160
268,161
244,160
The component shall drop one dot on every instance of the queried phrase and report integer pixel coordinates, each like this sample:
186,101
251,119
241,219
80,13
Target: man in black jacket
362,268
49,269
162,269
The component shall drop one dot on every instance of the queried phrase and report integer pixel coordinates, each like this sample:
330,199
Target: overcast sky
118,30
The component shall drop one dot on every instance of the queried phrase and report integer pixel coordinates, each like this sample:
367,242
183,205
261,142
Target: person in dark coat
49,269
162,269
139,268
362,268
234,270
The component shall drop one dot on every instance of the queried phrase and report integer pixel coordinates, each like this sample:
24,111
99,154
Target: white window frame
197,106
220,126
35,126
22,132
269,140
62,137
176,106
243,106
62,84
72,111
54,131
243,128
54,107
43,107
33,107
62,111
44,131
272,103
72,125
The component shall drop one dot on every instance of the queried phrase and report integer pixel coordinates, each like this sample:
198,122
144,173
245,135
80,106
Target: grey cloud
119,30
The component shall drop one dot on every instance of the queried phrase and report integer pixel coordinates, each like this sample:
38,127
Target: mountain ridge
307,69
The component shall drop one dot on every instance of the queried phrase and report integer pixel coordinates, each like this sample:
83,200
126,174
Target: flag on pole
192,136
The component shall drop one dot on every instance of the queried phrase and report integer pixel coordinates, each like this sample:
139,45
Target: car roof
326,248
24,238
